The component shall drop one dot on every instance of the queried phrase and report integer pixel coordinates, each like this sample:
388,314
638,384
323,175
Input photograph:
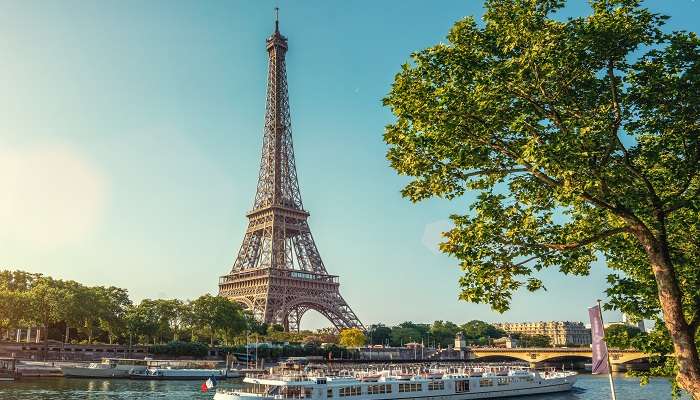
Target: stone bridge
620,359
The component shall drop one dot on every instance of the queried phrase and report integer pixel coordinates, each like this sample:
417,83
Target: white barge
108,368
386,385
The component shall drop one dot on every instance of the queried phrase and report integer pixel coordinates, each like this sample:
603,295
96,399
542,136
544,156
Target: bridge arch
579,357
499,357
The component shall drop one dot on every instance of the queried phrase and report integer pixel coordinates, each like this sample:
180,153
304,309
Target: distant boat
8,369
108,368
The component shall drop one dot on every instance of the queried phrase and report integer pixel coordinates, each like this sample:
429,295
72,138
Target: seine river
588,387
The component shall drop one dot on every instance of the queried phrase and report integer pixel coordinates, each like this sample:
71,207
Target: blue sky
130,134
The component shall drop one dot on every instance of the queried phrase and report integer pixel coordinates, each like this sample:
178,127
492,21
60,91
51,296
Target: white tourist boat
466,384
108,368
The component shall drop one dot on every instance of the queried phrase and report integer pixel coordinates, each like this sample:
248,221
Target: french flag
209,384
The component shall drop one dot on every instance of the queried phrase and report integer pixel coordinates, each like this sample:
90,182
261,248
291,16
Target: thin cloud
432,234
51,196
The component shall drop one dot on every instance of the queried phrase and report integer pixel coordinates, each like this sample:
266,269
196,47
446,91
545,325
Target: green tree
407,332
379,333
114,303
230,320
172,314
219,315
142,322
78,308
581,138
352,337
89,306
443,332
14,298
46,301
481,332
533,340
621,336
13,308
327,335
19,281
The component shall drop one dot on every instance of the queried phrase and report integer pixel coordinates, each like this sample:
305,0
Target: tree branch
682,203
491,171
691,175
528,260
501,147
584,242
656,202
616,104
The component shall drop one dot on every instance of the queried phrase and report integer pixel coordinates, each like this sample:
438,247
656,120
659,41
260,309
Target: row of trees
442,334
70,311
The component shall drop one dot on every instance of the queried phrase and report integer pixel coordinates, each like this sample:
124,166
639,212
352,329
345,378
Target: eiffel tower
279,274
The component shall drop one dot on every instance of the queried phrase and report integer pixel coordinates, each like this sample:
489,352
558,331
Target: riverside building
562,333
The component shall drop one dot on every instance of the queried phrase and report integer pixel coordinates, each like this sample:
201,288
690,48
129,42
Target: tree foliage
108,314
533,340
621,336
352,337
580,139
379,334
480,332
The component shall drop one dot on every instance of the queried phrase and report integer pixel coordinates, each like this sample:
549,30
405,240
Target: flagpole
610,377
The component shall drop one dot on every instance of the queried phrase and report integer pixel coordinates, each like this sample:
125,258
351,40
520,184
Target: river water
588,387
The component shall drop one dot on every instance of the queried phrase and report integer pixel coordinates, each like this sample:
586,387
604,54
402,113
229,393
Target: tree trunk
682,336
46,339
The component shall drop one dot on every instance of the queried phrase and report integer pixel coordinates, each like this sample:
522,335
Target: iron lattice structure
279,274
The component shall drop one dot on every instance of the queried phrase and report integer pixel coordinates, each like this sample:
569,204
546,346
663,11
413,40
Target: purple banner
598,346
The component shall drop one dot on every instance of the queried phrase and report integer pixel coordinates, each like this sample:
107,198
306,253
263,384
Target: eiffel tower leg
295,318
340,314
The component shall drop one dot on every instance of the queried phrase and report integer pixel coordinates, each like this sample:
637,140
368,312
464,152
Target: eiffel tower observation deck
278,273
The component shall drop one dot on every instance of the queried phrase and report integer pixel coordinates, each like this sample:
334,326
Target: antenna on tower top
277,19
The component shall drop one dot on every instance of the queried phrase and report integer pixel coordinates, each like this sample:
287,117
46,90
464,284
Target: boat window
504,381
461,386
295,392
409,387
378,389
330,392
436,385
350,391
485,382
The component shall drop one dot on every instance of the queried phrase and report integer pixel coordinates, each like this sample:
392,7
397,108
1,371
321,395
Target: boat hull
175,378
179,375
78,372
